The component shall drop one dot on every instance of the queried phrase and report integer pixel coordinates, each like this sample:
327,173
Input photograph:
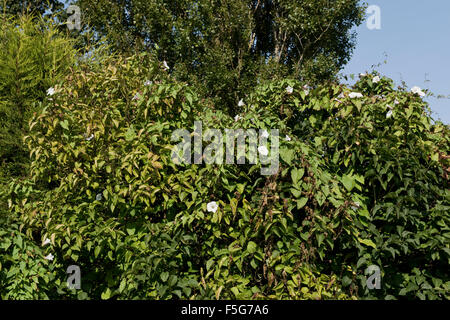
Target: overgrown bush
386,150
357,185
33,57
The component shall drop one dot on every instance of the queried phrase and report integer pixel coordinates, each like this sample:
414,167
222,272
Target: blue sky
415,36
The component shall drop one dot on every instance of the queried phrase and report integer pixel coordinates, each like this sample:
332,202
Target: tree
39,7
231,45
33,57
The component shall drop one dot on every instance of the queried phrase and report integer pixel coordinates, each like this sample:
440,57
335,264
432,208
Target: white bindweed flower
264,134
237,118
147,83
263,150
306,88
165,65
241,103
356,206
361,75
418,91
212,206
90,137
46,242
289,90
376,79
353,95
50,91
49,257
287,138
396,102
341,95
389,114
389,107
415,89
99,197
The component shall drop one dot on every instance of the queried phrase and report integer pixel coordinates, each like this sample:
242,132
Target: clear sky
415,36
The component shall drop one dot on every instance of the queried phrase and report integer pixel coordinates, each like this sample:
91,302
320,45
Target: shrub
354,188
33,57
386,150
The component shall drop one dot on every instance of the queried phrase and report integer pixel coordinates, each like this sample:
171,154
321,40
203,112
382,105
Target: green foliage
24,273
355,187
363,175
225,48
394,160
33,57
113,202
21,7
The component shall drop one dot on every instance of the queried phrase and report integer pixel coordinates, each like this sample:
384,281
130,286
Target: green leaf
251,247
123,283
106,294
320,237
64,124
209,264
367,242
349,182
235,291
435,157
301,202
130,134
189,97
297,174
164,276
97,251
287,155
358,104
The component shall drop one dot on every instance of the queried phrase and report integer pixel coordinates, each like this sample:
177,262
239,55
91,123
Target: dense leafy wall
362,180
